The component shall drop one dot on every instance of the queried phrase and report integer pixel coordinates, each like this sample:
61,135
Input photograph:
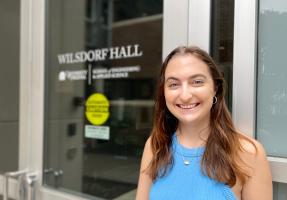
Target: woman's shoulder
147,153
145,180
148,144
257,166
252,153
251,146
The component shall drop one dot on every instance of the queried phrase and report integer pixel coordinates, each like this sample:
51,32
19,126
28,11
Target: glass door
101,69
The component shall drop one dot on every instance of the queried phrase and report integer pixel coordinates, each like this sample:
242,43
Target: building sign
114,72
98,73
128,51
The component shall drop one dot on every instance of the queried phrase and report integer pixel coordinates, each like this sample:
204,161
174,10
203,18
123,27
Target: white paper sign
97,132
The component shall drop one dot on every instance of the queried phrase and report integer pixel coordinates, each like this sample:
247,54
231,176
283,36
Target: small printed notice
97,132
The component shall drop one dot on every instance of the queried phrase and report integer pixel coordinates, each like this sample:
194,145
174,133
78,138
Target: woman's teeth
189,106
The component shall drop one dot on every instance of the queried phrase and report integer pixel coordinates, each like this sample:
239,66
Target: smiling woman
194,150
189,91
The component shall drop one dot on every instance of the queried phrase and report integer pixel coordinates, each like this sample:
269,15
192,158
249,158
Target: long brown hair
220,160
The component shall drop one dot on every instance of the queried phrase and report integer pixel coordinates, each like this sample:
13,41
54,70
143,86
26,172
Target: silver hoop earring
214,100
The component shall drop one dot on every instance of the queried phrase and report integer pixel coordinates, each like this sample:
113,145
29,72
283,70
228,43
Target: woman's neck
193,135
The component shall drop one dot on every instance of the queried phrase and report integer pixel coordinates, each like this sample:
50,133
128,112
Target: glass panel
101,68
279,191
221,48
9,84
272,73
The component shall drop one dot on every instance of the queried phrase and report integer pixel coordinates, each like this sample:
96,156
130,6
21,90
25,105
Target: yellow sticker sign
97,109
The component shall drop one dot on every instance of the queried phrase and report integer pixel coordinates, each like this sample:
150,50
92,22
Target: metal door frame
244,89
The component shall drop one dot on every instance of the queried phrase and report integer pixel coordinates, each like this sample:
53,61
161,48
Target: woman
194,151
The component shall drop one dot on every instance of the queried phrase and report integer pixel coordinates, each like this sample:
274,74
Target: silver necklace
185,161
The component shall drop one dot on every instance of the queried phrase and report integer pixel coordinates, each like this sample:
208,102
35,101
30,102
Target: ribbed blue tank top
187,182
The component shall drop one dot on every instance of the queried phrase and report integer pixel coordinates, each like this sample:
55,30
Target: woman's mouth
187,106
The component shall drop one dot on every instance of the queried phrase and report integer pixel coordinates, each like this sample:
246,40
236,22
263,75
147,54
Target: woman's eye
172,85
198,82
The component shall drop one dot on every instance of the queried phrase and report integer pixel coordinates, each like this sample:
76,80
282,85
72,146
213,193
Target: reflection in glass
271,80
221,48
112,48
279,191
9,84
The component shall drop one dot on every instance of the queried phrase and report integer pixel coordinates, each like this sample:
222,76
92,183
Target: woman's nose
186,93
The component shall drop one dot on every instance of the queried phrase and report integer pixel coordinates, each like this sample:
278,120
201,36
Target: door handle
7,176
31,179
26,182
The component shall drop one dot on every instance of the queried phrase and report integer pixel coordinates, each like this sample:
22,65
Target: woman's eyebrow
197,76
171,79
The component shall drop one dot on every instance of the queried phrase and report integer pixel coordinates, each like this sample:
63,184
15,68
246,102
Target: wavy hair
220,160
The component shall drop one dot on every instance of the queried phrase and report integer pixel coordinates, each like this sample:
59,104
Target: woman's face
188,89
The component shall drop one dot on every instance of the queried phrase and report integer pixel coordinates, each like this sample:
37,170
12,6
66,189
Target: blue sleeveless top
187,182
